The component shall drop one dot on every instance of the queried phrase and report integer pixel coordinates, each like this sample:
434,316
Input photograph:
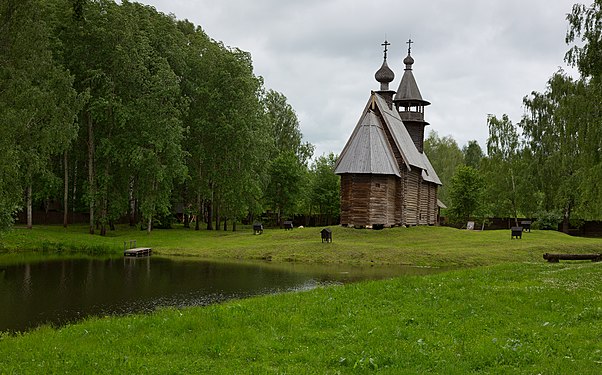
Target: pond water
58,291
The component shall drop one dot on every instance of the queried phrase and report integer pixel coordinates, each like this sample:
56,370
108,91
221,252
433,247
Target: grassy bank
422,246
514,318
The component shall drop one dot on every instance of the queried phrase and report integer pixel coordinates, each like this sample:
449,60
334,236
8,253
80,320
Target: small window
377,185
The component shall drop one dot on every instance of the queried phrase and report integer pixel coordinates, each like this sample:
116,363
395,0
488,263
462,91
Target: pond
57,291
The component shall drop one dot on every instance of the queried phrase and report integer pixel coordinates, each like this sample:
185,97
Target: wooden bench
517,232
555,258
288,225
257,228
526,224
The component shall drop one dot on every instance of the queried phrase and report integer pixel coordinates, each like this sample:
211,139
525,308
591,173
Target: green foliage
284,189
466,194
557,127
585,30
289,185
507,171
325,188
445,156
473,154
166,115
547,220
37,101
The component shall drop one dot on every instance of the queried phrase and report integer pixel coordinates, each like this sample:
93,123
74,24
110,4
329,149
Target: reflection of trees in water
64,290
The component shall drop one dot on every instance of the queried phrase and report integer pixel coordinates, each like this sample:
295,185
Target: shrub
547,220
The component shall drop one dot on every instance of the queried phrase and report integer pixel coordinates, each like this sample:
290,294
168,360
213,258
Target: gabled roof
400,134
367,150
404,142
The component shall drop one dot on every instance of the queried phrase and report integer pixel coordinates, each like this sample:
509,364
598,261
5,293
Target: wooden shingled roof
368,150
408,92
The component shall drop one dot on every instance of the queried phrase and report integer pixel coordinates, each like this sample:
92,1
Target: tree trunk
29,207
132,205
66,192
514,198
91,177
225,224
74,193
217,218
566,218
199,215
209,215
104,211
149,226
234,225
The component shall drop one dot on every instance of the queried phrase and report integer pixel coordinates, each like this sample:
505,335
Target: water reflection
58,291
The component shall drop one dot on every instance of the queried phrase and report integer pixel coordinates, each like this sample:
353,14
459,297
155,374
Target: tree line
118,110
549,164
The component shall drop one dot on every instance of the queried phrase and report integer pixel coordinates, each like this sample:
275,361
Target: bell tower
409,103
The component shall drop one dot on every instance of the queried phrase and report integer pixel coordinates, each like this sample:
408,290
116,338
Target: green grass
512,313
515,318
422,246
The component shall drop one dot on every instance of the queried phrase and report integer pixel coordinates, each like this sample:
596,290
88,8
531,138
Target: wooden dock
133,251
138,252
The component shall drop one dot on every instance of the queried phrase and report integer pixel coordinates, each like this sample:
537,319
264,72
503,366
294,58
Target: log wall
411,196
368,200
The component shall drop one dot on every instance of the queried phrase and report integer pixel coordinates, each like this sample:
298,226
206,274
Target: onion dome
384,75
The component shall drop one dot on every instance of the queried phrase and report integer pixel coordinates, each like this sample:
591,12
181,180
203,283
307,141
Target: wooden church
386,178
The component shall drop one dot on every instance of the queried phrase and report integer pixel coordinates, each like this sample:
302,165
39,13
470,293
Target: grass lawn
512,313
514,318
421,246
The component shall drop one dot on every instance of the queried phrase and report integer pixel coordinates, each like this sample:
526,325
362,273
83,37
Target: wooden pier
133,251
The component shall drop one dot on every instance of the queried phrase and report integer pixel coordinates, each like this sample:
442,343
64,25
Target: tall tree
284,189
36,94
290,156
325,188
585,36
510,188
446,157
466,194
553,126
473,154
585,31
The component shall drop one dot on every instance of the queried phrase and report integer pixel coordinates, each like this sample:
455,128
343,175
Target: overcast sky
472,57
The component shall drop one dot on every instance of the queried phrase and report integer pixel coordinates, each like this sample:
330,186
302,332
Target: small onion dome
409,61
384,74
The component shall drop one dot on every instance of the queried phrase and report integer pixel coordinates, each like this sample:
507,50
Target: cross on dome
409,43
386,44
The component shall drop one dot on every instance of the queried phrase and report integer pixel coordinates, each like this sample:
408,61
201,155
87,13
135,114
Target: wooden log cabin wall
386,179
